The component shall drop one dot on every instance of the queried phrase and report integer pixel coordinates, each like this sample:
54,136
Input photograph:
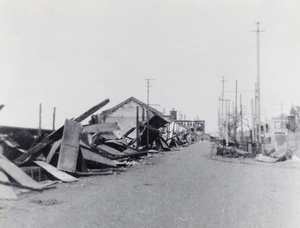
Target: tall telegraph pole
258,85
148,116
222,112
148,90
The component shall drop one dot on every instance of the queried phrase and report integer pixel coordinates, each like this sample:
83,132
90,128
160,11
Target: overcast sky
74,54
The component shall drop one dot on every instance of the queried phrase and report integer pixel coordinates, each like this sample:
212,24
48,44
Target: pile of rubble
76,150
231,151
270,154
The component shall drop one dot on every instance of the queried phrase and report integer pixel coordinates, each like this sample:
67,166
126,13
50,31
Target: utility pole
253,113
256,116
281,118
227,119
235,110
258,84
40,120
219,118
53,123
148,115
241,113
222,112
148,86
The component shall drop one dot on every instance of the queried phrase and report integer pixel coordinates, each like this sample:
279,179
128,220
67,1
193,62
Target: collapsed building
129,131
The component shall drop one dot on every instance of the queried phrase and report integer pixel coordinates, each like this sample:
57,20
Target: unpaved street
184,188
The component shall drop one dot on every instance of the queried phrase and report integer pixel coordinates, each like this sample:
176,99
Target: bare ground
186,188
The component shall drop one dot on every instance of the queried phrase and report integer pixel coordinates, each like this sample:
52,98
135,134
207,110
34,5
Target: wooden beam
137,128
69,148
91,111
55,172
95,157
19,176
54,148
6,192
111,151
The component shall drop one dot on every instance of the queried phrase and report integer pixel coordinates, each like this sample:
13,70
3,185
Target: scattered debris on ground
76,150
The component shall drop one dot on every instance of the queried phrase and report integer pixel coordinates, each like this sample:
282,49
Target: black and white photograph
150,113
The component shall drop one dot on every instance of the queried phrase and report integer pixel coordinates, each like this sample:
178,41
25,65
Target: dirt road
184,188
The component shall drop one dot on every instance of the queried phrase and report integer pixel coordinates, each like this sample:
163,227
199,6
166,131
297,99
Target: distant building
278,129
125,114
193,125
293,123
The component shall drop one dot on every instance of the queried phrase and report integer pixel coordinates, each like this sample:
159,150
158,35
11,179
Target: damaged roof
111,110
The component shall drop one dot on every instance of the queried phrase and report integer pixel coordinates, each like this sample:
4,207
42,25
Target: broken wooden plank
6,192
95,173
91,111
242,153
54,148
55,172
95,157
111,152
119,169
69,148
267,159
36,150
100,127
134,153
56,135
18,175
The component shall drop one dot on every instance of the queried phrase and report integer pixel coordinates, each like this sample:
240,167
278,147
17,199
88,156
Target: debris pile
270,154
232,151
273,155
76,150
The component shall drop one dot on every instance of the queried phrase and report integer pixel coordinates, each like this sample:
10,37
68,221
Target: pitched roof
111,110
293,111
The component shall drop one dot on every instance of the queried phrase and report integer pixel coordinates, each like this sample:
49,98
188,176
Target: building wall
125,116
278,131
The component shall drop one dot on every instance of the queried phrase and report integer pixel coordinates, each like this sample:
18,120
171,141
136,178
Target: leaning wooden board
68,154
19,175
92,156
267,159
54,148
6,192
55,172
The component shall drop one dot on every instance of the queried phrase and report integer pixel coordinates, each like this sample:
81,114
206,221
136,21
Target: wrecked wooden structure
142,126
65,154
106,145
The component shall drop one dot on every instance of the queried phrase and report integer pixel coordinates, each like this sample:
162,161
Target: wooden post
137,128
253,122
53,123
241,113
143,114
235,111
226,120
257,123
40,120
148,118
